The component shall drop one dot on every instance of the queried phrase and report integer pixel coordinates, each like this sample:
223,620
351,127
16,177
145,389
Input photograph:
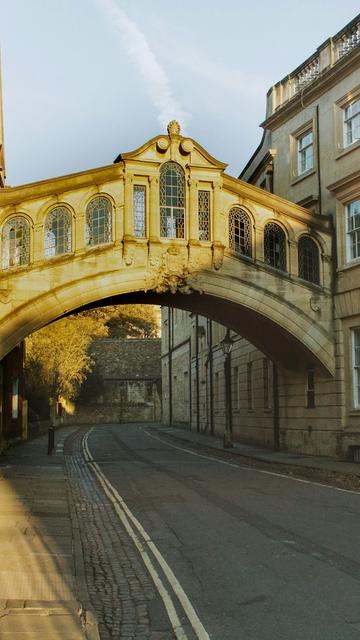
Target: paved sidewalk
324,464
39,581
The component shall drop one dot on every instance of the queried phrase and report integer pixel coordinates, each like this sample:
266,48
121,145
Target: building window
98,222
351,123
305,155
353,230
274,246
172,201
356,366
204,215
235,389
239,232
267,383
308,255
15,399
139,203
57,232
15,243
216,392
250,401
310,389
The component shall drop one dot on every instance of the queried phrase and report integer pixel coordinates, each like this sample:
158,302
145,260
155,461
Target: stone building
125,384
309,154
13,407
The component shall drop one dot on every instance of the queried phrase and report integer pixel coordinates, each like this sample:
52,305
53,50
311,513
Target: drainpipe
211,375
170,363
276,418
318,157
197,373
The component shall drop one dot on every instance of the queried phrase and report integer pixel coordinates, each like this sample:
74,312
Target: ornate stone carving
173,128
315,304
171,273
162,144
4,295
186,146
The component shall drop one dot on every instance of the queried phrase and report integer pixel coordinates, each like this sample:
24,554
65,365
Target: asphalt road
258,556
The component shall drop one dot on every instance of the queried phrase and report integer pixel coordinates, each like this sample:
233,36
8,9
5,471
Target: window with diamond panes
15,243
98,222
172,201
139,203
239,231
275,246
308,254
353,230
356,365
58,232
204,215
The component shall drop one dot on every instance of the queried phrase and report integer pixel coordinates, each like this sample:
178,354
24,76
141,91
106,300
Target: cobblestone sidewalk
121,592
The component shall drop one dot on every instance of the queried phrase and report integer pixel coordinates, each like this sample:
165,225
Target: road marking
239,466
125,516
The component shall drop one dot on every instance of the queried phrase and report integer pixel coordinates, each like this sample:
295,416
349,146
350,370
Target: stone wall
125,384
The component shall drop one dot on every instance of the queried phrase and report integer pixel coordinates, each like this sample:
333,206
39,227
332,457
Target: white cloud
153,74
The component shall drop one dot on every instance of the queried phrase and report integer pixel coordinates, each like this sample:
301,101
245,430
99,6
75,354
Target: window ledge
302,176
345,150
352,264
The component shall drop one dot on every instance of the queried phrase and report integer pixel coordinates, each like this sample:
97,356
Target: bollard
51,439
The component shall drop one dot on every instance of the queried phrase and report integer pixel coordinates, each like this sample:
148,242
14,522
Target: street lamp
226,345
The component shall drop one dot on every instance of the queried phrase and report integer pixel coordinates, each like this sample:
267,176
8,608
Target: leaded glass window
15,242
239,231
98,221
204,215
58,232
353,230
275,246
308,254
139,203
172,201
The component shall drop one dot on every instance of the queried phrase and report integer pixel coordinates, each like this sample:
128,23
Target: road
180,544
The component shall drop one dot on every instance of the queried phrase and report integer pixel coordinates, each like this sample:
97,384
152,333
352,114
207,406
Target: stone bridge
165,224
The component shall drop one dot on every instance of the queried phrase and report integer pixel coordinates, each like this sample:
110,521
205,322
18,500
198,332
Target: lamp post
226,345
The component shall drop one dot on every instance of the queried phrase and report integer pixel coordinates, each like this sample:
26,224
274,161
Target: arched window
98,221
239,231
15,242
308,254
172,201
275,246
58,232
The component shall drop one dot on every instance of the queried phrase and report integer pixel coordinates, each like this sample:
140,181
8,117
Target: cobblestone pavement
121,592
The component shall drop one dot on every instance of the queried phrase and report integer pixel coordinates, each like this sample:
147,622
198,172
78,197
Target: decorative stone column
154,212
193,212
218,231
128,211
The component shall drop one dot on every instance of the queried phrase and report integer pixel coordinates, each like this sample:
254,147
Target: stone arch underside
283,332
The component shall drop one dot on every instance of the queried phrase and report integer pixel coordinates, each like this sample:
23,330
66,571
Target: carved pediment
175,147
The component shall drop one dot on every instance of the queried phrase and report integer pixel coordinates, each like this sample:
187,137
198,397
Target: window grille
58,232
310,389
356,365
274,246
239,231
250,399
353,230
172,201
15,243
204,215
351,123
308,254
98,221
139,202
305,152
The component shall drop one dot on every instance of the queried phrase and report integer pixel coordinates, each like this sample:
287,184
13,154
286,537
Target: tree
58,356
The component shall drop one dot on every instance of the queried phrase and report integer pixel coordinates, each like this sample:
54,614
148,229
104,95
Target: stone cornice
327,79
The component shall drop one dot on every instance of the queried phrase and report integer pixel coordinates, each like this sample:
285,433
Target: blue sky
84,80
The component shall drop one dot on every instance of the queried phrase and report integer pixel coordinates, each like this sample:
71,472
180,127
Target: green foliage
58,356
